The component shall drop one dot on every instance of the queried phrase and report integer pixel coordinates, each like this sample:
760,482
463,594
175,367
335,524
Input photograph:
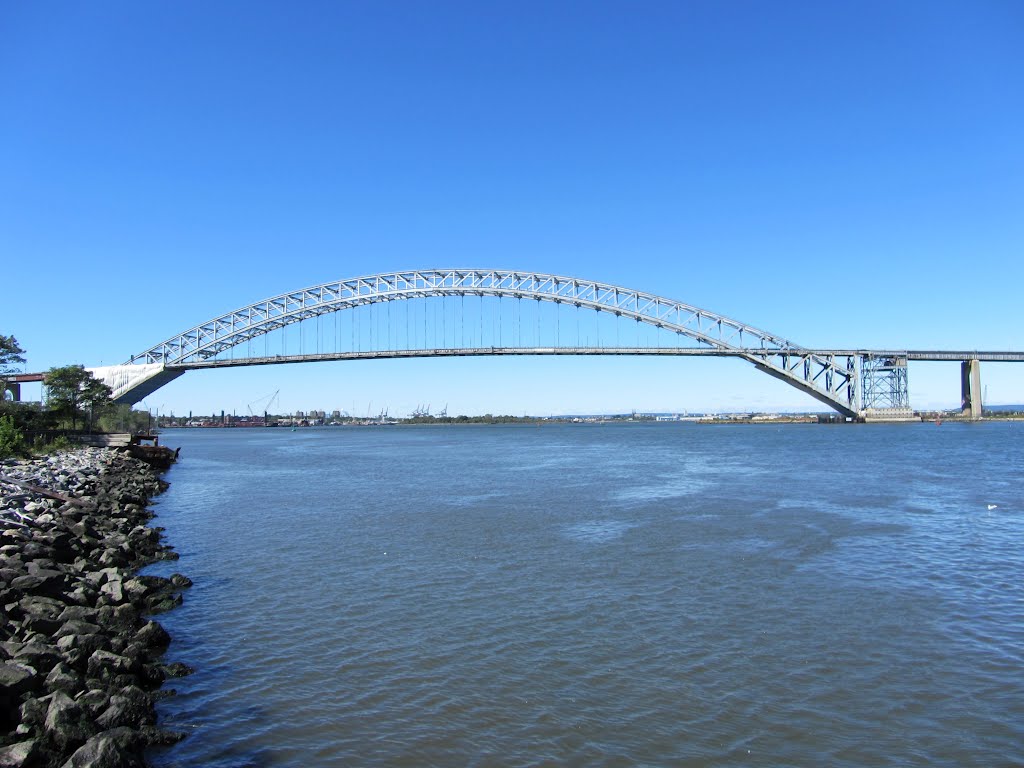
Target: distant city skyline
845,176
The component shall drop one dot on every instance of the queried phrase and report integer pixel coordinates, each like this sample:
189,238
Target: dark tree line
74,398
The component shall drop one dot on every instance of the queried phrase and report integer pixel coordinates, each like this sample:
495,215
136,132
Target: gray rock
106,664
116,748
63,678
77,627
63,544
77,613
16,679
20,755
46,583
112,556
33,549
134,589
83,530
95,701
180,582
152,635
47,607
43,626
125,616
102,576
177,669
143,533
33,712
82,596
11,610
166,604
130,707
11,647
39,614
114,591
67,722
39,656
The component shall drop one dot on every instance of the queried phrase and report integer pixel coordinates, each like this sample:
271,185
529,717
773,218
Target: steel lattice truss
831,378
884,380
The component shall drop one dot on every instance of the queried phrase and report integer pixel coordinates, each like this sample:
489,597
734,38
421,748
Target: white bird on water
992,506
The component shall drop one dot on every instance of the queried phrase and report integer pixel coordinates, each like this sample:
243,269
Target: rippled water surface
591,595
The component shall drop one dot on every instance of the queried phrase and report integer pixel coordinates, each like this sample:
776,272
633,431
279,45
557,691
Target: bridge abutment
132,383
970,389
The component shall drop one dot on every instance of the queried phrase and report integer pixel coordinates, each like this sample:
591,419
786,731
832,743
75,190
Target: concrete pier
970,389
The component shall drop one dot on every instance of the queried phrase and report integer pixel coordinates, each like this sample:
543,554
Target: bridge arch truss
831,378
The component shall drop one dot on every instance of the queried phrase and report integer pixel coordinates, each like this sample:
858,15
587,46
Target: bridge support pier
885,393
970,389
10,386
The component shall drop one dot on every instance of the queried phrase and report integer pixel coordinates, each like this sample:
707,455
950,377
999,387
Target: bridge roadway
932,355
888,367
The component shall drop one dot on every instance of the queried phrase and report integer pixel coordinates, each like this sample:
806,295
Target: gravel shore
80,658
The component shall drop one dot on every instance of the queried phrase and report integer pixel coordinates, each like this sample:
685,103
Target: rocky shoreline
80,667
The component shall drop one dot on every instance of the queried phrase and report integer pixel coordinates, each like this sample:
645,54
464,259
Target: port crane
267,400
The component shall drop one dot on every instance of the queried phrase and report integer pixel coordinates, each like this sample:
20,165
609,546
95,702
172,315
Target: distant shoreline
593,421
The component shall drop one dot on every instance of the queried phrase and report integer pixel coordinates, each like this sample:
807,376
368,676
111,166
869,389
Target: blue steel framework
831,377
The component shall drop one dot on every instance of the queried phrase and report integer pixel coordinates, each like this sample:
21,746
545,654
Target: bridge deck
656,351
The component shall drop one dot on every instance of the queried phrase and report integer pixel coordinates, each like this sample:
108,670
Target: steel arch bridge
834,378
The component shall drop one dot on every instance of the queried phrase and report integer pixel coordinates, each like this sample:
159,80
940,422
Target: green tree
73,391
10,353
28,417
12,443
122,418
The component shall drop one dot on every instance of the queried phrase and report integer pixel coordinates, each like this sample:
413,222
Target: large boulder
16,678
20,755
114,592
40,656
67,723
116,748
45,583
131,706
105,665
77,613
76,627
152,635
63,678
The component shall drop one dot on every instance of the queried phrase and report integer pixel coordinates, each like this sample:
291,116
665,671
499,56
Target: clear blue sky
842,174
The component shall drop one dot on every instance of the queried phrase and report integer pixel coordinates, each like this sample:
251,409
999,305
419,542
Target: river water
598,595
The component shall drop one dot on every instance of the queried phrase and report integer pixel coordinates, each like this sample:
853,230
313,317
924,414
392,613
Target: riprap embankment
80,657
